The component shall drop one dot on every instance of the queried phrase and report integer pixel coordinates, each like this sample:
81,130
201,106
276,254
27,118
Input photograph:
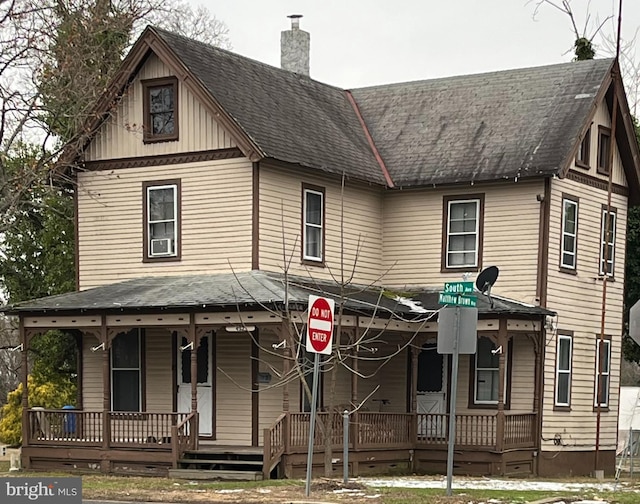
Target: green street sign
457,300
458,287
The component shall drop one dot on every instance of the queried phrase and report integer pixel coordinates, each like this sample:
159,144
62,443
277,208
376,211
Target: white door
432,391
205,382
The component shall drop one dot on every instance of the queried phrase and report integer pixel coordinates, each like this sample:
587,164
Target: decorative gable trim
164,160
591,181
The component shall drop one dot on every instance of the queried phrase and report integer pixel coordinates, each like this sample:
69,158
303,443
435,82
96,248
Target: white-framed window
569,244
608,242
162,220
487,372
603,367
313,224
126,376
564,357
463,236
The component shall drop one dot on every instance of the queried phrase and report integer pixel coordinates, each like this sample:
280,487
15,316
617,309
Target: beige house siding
233,388
281,209
92,393
578,300
120,136
158,363
521,380
271,394
216,221
412,230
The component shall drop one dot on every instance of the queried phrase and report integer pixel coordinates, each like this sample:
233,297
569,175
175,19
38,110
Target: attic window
160,109
582,157
604,144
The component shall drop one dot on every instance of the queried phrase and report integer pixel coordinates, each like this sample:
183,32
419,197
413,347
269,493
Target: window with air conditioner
162,221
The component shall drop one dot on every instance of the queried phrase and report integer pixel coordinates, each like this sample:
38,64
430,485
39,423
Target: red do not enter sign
320,325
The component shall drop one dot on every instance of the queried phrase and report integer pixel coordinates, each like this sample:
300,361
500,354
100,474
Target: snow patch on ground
488,484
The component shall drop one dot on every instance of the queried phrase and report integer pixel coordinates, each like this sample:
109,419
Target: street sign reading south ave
458,287
457,300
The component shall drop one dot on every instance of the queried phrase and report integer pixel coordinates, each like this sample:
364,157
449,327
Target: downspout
605,253
605,259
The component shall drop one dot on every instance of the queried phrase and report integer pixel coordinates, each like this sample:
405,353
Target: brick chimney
294,47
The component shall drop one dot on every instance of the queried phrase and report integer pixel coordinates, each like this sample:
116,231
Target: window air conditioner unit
160,247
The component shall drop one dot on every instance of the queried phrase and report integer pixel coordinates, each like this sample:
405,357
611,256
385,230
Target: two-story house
216,193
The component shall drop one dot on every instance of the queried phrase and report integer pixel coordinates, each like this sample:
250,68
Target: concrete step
195,474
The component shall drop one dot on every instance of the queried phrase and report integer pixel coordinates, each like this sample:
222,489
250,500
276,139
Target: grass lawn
96,486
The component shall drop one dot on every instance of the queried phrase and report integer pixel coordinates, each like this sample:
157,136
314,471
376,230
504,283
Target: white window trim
496,369
568,371
563,251
138,369
476,232
307,224
603,245
149,222
607,345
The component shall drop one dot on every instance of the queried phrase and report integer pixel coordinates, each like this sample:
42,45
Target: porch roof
255,290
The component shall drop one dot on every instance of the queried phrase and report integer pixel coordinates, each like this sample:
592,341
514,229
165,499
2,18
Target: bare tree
350,348
602,29
56,58
9,358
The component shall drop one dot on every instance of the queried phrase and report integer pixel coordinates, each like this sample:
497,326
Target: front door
432,391
205,382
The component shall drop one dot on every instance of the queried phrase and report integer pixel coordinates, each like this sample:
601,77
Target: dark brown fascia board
627,144
569,160
249,148
310,170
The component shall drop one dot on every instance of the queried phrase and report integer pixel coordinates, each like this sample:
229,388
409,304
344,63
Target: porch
155,443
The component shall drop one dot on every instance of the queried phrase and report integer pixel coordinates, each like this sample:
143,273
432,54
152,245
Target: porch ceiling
254,290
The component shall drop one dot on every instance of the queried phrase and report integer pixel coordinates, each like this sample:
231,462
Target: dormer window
582,157
160,109
161,221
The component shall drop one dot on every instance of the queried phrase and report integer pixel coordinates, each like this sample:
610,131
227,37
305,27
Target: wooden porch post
414,379
194,363
105,465
24,377
503,341
286,364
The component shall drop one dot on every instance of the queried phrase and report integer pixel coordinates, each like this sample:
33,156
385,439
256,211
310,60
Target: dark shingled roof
249,290
500,125
290,117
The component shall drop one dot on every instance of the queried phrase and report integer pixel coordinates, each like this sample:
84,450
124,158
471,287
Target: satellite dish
487,278
485,281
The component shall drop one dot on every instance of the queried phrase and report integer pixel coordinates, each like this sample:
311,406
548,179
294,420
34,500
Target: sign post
319,341
463,340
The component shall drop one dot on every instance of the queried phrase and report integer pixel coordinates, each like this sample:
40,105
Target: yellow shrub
48,395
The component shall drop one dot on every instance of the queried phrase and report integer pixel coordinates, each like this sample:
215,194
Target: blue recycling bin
69,421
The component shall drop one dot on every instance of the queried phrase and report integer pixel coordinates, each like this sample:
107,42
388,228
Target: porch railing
184,437
78,427
274,444
65,427
299,429
143,429
520,430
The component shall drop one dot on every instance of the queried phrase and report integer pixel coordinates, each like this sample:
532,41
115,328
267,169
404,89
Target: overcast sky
357,43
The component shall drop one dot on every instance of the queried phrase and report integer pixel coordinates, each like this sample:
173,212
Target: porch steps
225,463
